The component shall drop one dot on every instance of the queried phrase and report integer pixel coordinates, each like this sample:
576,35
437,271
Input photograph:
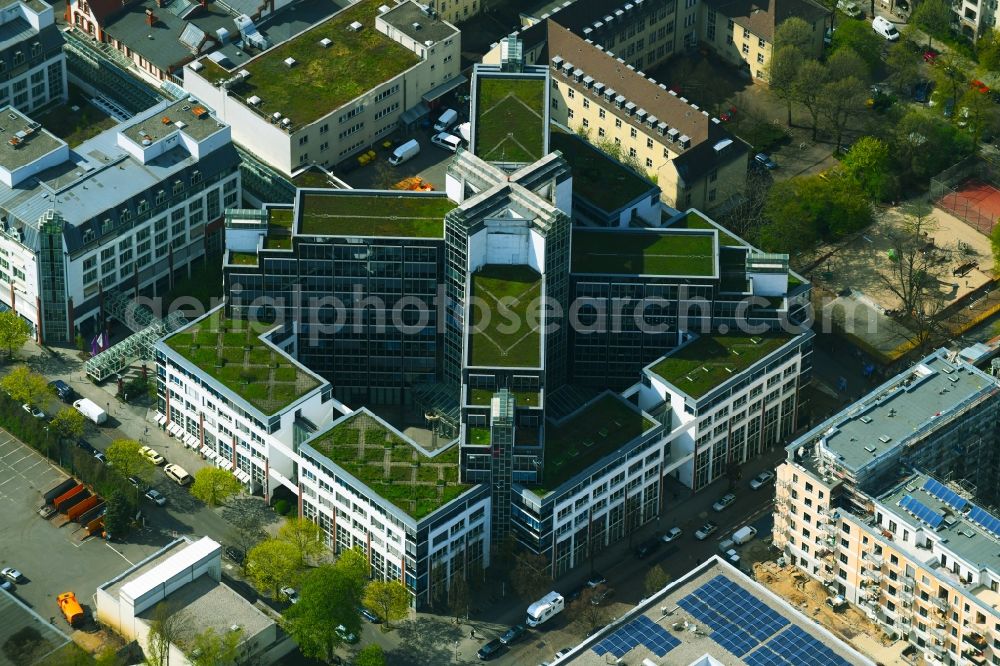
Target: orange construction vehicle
70,608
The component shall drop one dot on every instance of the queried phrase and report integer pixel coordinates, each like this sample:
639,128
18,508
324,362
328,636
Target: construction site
813,600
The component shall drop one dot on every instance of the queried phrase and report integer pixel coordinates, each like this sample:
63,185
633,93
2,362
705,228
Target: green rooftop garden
522,398
510,123
597,178
242,258
280,217
501,332
398,215
696,221
312,177
598,429
642,253
231,351
700,366
391,467
322,79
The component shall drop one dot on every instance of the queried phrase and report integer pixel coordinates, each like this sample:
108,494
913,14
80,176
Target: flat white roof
174,565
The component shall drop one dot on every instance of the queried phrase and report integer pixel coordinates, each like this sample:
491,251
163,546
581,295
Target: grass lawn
280,217
598,429
409,215
243,258
311,178
523,398
702,365
322,78
232,352
390,466
502,334
642,252
75,127
696,221
510,125
598,178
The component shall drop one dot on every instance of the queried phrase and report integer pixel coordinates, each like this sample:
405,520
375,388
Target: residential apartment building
32,63
454,11
367,68
691,155
129,210
880,503
742,31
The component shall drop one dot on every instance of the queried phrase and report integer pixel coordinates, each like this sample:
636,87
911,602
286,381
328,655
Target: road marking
120,553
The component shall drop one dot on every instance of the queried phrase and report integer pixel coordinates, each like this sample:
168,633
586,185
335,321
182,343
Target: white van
177,474
404,152
545,609
884,27
744,534
446,120
447,141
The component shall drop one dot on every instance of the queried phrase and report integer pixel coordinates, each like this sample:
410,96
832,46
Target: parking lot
53,559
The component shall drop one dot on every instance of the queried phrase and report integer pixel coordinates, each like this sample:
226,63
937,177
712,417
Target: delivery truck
90,409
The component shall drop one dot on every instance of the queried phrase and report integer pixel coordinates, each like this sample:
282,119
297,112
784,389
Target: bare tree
914,273
459,596
590,609
164,628
745,216
530,575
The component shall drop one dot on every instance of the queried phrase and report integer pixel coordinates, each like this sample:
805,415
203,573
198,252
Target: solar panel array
945,494
921,511
982,517
739,622
640,631
794,647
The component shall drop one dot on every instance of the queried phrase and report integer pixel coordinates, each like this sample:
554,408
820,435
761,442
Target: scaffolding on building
139,346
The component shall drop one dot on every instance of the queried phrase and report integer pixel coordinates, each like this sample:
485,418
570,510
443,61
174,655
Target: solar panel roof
982,517
921,511
640,631
945,494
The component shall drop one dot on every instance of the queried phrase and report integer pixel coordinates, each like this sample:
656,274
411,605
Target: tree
305,535
988,51
23,385
806,209
781,75
529,574
913,275
271,565
976,109
328,598
951,75
656,579
839,102
68,423
746,216
123,455
859,38
867,162
995,243
924,145
370,655
934,18
14,332
585,612
796,33
807,88
164,627
354,564
459,596
214,485
389,599
844,63
903,65
211,649
247,515
118,511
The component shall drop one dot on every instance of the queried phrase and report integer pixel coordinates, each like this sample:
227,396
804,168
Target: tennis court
975,202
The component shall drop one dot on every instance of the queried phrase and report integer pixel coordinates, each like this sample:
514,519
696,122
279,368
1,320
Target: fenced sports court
970,190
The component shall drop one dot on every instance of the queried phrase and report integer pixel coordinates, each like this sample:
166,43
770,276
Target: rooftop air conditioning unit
290,62
276,116
325,42
415,25
253,101
355,26
243,74
382,9
286,122
180,124
196,66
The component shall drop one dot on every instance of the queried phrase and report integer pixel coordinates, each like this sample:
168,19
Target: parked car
12,574
370,616
922,91
601,595
764,160
6,586
949,108
705,531
724,502
596,579
514,634
152,456
291,594
63,390
237,555
156,497
761,480
345,635
34,411
100,458
46,511
135,482
575,593
672,534
85,445
931,56
490,650
647,547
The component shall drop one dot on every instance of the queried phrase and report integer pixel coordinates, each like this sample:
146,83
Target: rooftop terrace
642,252
232,352
694,220
510,122
597,429
344,213
597,177
355,62
390,466
700,366
505,294
24,140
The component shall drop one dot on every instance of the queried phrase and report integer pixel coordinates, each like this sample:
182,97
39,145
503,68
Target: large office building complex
417,369
888,504
128,211
32,62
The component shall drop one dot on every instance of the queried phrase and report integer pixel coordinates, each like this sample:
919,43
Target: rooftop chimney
150,18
